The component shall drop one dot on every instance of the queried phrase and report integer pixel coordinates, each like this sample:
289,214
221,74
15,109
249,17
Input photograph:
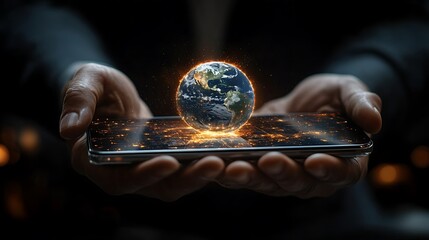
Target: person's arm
392,59
389,63
40,42
56,49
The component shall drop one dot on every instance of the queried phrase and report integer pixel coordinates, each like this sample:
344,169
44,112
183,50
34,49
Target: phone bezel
229,154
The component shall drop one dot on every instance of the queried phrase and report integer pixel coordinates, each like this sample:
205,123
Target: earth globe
215,96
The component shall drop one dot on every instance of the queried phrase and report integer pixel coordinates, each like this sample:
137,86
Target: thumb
78,110
362,106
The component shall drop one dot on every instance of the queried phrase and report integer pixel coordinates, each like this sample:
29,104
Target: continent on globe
215,96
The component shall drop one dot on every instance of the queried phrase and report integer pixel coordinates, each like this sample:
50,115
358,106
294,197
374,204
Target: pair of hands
98,90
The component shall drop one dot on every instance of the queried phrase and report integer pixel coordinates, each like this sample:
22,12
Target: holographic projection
215,96
215,102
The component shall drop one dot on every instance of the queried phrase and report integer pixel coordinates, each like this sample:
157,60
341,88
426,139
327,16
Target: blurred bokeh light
4,155
14,201
29,140
420,156
390,174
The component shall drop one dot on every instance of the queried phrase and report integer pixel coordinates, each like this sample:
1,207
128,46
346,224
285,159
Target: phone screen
297,134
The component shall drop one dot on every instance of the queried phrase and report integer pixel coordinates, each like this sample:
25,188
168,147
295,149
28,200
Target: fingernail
69,120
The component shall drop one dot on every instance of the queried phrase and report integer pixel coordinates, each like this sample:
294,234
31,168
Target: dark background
42,196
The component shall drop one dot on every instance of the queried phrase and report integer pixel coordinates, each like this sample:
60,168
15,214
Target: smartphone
120,141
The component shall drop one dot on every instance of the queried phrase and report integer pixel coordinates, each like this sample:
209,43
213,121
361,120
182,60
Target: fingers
162,177
315,92
336,171
276,174
122,179
242,174
192,178
130,179
332,92
291,177
364,108
285,171
97,89
78,110
81,95
276,106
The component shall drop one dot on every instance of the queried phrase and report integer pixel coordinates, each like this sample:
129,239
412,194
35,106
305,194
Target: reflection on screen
260,131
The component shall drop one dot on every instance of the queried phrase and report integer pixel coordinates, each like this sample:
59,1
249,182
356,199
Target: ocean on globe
215,96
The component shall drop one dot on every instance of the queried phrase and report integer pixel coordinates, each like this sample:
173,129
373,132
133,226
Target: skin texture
319,175
97,90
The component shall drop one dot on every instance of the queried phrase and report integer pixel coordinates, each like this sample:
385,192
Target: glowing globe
215,96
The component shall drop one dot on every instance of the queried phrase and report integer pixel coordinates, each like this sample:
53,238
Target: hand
320,174
97,90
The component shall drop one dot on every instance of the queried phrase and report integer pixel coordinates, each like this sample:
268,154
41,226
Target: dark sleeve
393,60
39,42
